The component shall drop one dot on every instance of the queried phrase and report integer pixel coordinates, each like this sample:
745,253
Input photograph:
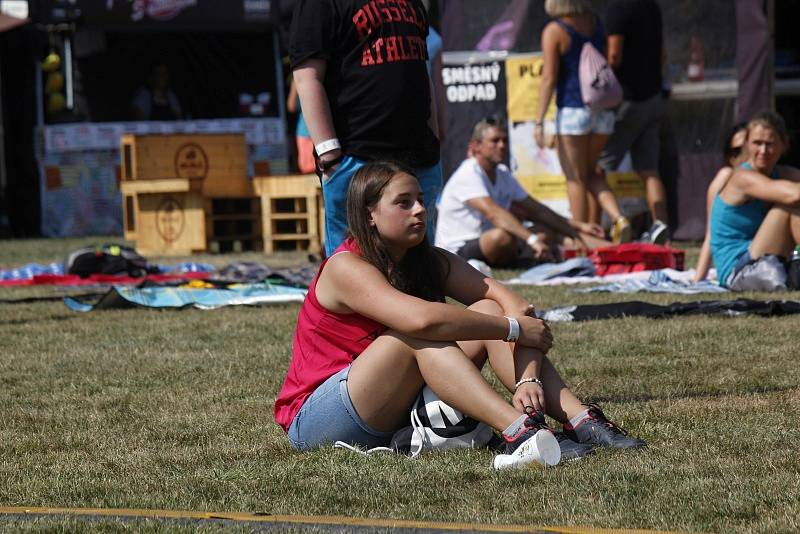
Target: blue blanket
181,297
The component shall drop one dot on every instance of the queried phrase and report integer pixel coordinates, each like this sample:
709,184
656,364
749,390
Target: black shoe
598,430
572,450
658,234
530,426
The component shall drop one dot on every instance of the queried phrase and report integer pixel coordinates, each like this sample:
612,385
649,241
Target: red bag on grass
635,257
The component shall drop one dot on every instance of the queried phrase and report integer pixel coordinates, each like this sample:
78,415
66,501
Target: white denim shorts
583,121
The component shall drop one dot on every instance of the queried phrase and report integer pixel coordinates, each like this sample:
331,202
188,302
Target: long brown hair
421,272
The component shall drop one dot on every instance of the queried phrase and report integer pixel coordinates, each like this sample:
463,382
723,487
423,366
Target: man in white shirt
482,209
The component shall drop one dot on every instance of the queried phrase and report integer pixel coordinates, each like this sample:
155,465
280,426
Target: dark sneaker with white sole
572,450
598,430
658,234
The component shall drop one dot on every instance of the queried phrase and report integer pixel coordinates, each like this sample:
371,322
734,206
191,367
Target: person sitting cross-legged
482,210
376,327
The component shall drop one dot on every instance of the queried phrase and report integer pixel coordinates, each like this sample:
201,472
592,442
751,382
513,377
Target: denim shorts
328,415
583,121
334,195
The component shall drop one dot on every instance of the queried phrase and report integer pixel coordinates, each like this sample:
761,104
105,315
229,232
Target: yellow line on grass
131,513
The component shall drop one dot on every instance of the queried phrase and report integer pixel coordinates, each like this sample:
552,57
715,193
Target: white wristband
327,146
513,330
526,381
532,240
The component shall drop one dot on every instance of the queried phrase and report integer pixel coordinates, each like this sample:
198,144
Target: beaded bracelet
528,380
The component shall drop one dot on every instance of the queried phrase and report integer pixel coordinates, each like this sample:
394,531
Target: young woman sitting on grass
732,150
755,215
375,328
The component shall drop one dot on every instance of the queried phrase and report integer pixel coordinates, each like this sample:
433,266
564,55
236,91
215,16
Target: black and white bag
434,425
437,425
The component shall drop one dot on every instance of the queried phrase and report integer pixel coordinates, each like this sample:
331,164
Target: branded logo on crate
191,161
170,219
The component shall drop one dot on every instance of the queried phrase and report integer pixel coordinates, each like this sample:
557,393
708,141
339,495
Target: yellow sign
523,76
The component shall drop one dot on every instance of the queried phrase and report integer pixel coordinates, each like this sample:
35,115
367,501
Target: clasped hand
534,333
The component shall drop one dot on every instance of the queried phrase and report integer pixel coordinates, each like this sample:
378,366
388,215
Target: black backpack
107,259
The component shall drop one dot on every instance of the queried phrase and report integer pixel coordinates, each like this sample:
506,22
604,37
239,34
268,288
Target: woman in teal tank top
756,214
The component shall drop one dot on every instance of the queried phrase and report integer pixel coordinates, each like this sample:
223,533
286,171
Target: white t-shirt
456,221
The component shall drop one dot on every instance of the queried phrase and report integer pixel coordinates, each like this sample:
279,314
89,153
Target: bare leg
572,154
656,194
498,246
560,403
594,208
778,233
597,179
386,378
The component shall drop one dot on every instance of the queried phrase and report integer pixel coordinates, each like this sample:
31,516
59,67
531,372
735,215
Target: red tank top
324,344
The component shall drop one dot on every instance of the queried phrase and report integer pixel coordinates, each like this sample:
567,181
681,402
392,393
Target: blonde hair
564,8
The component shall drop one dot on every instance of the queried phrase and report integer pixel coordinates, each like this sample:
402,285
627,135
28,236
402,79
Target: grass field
173,410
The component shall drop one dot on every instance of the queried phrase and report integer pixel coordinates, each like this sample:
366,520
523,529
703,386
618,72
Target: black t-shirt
639,22
376,78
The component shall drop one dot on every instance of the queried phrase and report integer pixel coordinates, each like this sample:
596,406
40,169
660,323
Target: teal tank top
733,228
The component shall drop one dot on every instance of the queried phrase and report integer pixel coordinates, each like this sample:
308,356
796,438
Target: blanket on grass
187,297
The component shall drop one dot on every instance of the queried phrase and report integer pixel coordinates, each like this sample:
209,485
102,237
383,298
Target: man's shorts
472,250
766,273
334,194
583,121
328,416
637,129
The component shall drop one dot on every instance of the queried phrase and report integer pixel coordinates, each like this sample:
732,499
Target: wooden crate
219,161
164,217
291,212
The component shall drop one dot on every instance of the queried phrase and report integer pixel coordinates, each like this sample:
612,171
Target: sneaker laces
596,413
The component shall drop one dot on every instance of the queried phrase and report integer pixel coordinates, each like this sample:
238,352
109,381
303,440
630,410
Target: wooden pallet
291,212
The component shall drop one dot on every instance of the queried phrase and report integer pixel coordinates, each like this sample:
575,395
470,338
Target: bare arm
309,77
538,212
547,85
349,284
499,217
752,184
704,259
615,45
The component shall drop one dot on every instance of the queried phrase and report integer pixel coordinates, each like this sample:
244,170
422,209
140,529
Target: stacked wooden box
188,193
